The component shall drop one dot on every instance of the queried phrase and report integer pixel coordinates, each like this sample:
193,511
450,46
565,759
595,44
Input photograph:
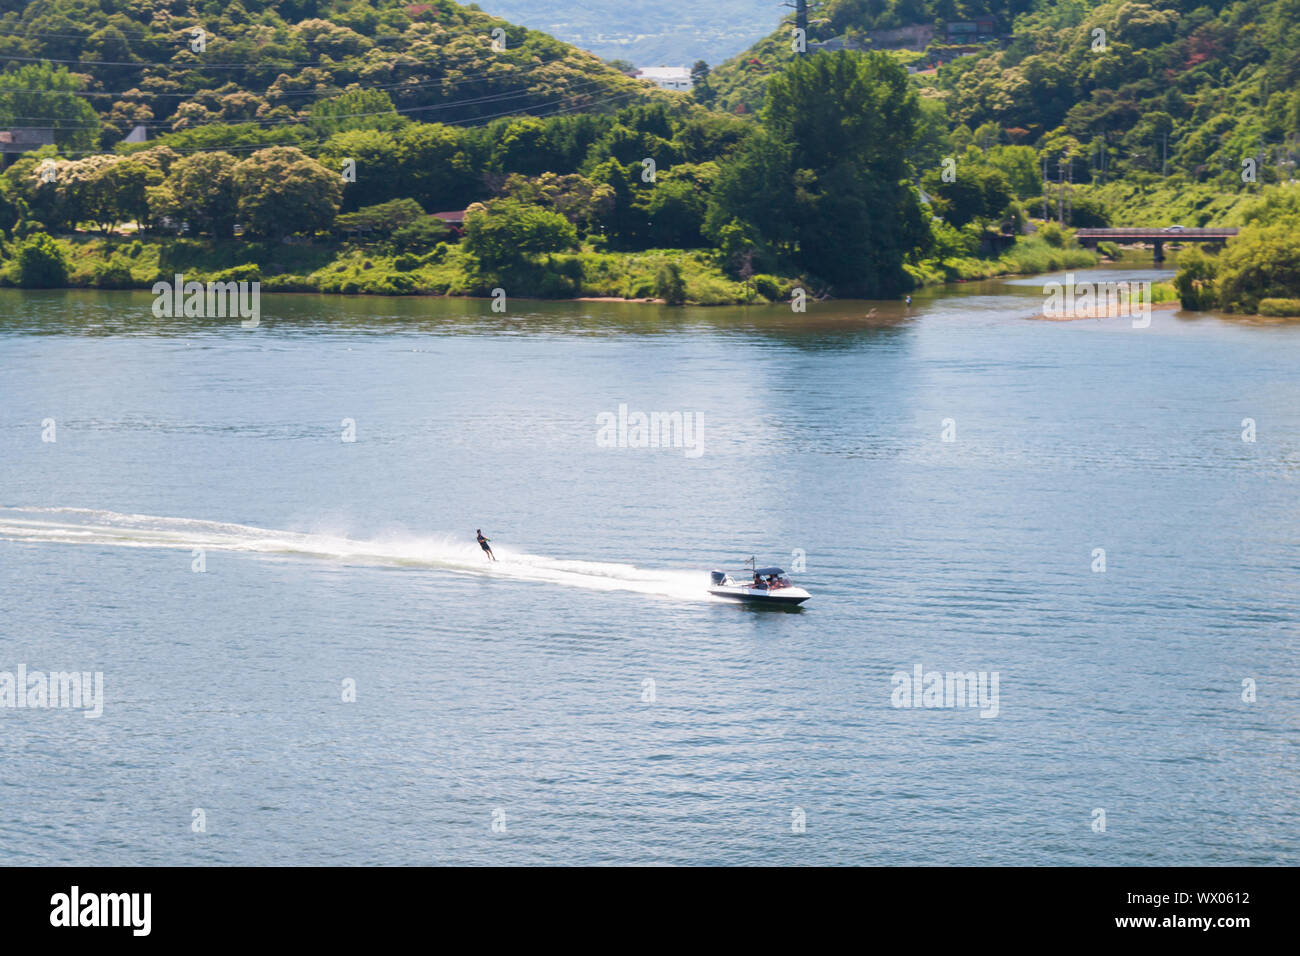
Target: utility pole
1069,207
1060,192
800,22
1164,157
1045,189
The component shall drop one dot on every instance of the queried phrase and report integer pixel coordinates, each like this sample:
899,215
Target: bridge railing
1146,232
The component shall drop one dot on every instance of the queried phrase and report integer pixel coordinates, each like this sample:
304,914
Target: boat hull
790,597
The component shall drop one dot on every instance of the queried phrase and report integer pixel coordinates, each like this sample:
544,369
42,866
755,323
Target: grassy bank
113,262
1031,255
116,262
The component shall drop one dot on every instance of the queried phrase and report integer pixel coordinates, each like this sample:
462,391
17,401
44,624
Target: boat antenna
753,565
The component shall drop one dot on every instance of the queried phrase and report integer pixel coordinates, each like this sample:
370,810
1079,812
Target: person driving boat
767,585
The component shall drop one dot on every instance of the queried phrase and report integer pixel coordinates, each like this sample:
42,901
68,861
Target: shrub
1261,262
1279,307
556,285
113,274
246,272
1195,280
669,285
380,220
505,233
41,263
769,287
288,283
641,287
1052,234
421,234
391,284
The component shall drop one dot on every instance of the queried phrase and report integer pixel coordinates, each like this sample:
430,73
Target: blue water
516,691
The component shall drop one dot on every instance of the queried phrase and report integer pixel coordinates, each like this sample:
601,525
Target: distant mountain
663,33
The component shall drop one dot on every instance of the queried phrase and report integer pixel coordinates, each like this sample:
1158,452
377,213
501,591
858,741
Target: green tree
578,199
283,191
1195,279
40,91
975,192
200,189
87,190
669,284
1019,164
41,263
625,220
381,220
421,234
504,234
1260,262
828,177
675,213
355,109
129,182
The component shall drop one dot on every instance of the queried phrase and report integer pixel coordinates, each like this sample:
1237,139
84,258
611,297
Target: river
264,541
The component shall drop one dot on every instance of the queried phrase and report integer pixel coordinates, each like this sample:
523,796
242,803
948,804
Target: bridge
1129,235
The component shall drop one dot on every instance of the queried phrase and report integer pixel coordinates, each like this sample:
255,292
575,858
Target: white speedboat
757,586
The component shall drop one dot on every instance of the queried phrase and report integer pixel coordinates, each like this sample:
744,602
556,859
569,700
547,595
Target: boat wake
452,555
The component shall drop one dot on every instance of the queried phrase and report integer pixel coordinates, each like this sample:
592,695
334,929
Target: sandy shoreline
1104,314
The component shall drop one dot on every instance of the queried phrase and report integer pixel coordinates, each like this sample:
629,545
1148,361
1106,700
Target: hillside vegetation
348,126
1116,112
174,66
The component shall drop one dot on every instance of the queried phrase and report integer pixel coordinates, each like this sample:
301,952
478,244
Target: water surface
519,688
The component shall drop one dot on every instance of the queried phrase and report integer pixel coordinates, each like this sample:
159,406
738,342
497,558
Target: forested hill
276,64
1178,86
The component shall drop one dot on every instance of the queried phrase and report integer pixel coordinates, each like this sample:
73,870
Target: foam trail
86,526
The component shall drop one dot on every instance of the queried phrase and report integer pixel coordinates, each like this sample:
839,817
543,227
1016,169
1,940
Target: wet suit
483,543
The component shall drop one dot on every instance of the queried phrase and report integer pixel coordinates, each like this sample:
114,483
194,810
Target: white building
667,77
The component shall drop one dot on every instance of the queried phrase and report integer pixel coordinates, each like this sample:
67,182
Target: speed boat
757,586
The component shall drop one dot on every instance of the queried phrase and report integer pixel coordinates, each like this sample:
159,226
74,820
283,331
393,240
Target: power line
464,124
183,35
397,85
492,97
149,37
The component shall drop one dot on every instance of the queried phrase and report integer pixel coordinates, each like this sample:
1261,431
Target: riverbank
1031,255
674,276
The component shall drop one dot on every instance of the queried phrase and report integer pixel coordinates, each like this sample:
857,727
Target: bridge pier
1156,238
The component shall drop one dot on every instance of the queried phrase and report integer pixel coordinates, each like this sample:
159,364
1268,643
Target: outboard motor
717,577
